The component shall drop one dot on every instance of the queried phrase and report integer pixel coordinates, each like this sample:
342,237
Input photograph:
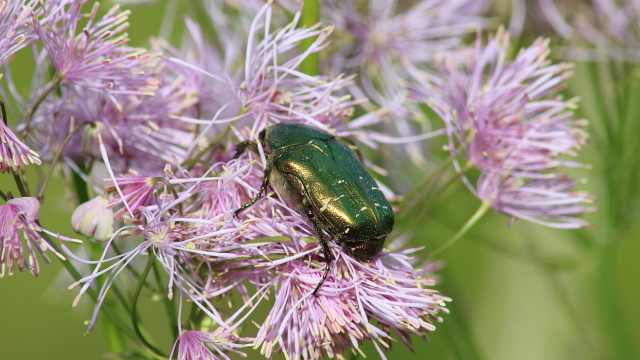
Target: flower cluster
14,154
181,215
387,44
94,56
390,36
200,345
155,137
14,28
509,120
352,305
20,236
594,29
610,28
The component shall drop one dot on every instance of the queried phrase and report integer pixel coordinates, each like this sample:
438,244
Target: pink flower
389,34
274,89
200,345
132,193
387,43
14,29
96,56
358,302
139,132
20,239
14,154
183,218
507,117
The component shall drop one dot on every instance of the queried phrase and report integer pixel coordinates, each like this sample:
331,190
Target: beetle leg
328,258
242,146
261,193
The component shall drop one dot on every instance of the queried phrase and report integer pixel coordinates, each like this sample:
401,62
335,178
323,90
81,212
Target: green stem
194,316
80,186
24,191
135,321
310,17
600,103
620,81
3,112
616,323
75,274
22,186
482,210
115,341
411,212
56,157
456,327
168,305
51,86
550,275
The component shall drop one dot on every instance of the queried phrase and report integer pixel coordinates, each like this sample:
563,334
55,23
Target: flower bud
94,218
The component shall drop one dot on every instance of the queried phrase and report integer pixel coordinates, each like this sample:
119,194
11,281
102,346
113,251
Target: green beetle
323,178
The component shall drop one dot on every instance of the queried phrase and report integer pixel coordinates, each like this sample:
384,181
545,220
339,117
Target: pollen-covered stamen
14,27
14,154
357,302
274,89
137,191
95,56
507,117
200,345
20,236
415,34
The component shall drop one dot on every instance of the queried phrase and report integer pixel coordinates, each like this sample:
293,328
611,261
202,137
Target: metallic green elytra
324,179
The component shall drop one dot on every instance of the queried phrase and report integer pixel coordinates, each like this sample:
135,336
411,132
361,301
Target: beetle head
364,250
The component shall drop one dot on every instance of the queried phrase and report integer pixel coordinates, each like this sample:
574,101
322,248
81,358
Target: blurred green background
520,291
